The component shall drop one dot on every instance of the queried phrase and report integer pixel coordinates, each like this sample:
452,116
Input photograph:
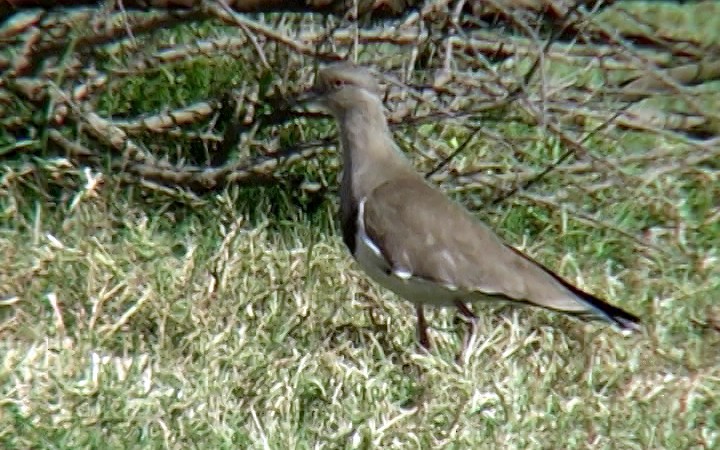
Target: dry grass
136,322
132,318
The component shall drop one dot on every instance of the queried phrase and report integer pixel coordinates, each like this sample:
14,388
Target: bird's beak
312,98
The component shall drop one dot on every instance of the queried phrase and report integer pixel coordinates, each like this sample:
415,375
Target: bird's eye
337,82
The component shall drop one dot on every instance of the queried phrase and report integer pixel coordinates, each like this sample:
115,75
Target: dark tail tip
598,307
604,310
619,317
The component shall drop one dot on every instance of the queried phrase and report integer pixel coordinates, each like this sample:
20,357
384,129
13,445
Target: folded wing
423,233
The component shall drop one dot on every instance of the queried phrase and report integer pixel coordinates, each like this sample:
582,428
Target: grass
129,320
245,324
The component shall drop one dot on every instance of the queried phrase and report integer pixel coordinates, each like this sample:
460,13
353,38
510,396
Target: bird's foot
467,316
423,336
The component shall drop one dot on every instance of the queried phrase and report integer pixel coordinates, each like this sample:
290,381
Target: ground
130,319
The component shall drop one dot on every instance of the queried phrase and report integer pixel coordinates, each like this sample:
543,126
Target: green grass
235,323
131,320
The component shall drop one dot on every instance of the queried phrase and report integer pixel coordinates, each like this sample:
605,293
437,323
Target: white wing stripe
361,229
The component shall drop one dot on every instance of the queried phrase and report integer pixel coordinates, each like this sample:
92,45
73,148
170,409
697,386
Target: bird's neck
370,156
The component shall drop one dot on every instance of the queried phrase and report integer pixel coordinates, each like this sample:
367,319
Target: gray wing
421,232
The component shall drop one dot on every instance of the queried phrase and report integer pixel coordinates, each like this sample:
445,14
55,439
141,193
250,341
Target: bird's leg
422,327
469,317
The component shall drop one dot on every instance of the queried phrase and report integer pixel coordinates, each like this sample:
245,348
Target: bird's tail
599,307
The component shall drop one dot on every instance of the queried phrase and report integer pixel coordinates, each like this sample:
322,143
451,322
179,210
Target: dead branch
462,78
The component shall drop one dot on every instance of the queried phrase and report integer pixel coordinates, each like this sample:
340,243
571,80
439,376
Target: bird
412,239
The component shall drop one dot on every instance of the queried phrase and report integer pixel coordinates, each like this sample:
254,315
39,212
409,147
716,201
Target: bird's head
342,86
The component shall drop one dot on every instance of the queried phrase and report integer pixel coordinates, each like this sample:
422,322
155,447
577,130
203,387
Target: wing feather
420,231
